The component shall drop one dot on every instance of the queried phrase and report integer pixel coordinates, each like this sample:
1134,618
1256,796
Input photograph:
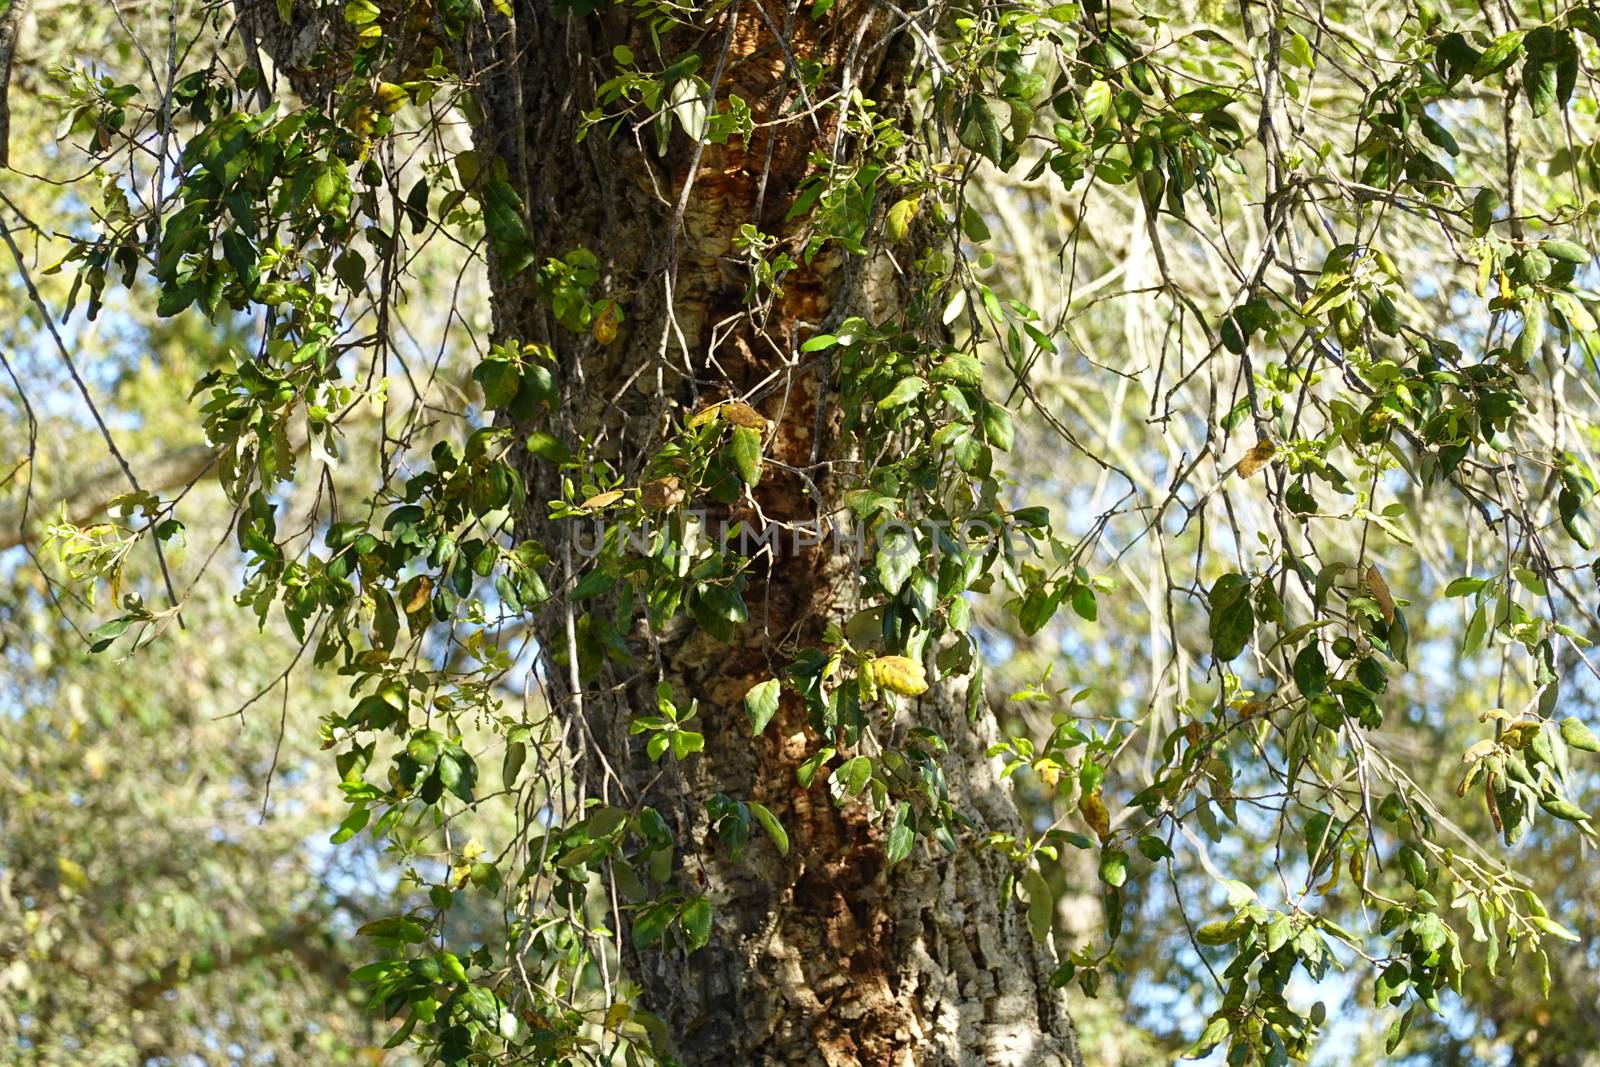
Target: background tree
1165,364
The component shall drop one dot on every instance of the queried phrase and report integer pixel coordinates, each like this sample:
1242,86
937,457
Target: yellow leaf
661,494
421,591
1380,592
71,873
1094,812
1249,709
899,674
390,97
709,413
1256,458
605,323
1519,733
741,414
900,216
600,500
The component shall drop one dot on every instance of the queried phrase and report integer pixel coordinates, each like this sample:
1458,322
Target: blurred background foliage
168,893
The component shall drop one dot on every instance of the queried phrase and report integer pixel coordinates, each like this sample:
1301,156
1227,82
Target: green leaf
1563,808
1310,671
761,703
1454,58
1483,208
395,928
686,742
979,130
959,367
852,776
769,822
806,773
101,636
1233,338
1041,904
904,392
896,558
1196,101
1153,848
1578,735
1414,866
1233,618
997,426
500,379
1113,867
1430,931
1500,55
1278,932
1573,519
548,447
1566,251
1096,102
1539,82
353,824
486,876
503,221
1397,1030
1526,347
901,836
424,746
696,919
1217,1029
328,185
1555,929
458,772
745,449
1220,933
511,766
952,310
973,225
650,924
351,269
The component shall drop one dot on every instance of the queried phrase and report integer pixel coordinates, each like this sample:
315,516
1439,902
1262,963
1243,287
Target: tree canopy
664,532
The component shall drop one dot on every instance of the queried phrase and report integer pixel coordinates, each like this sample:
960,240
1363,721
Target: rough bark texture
825,956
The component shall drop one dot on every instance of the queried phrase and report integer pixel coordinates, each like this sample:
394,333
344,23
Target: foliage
1304,298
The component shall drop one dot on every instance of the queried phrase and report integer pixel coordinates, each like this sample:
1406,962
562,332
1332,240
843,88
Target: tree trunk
826,956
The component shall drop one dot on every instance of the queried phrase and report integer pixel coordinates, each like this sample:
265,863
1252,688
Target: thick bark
826,956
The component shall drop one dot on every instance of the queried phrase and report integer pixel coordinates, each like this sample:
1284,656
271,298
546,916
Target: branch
91,497
301,939
10,30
